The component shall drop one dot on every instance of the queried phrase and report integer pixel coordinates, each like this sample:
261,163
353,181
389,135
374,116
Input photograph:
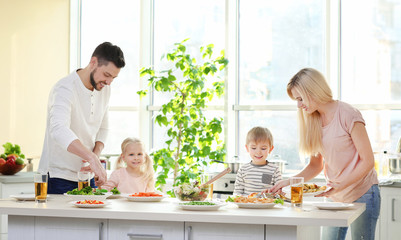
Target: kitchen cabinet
222,231
122,219
58,228
20,183
136,230
390,213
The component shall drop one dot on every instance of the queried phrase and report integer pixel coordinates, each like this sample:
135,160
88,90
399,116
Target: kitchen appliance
234,164
280,163
224,186
394,164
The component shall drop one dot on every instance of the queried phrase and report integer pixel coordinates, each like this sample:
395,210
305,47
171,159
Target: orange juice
210,196
296,195
40,191
82,184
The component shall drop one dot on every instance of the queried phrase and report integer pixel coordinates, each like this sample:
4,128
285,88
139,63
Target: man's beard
92,80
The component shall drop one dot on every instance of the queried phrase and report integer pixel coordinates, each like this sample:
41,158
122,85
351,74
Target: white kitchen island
123,219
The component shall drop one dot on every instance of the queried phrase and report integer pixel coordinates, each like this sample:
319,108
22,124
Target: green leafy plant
192,138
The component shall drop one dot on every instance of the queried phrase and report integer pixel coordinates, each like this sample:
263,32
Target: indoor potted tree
192,138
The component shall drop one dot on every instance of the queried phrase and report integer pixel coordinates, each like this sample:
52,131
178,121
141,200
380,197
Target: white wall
34,54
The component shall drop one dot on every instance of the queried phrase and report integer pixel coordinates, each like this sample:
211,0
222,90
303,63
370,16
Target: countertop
19,177
396,184
168,210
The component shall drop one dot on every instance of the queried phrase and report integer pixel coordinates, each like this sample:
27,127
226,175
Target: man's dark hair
107,52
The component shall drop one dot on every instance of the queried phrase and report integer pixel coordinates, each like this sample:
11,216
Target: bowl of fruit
12,160
191,192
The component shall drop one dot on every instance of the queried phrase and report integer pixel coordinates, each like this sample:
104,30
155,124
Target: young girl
138,175
333,134
259,174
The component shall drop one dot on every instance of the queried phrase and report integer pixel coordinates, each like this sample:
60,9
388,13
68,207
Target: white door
390,215
222,231
150,230
70,228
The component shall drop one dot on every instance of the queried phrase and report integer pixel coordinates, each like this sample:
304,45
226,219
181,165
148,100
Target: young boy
258,174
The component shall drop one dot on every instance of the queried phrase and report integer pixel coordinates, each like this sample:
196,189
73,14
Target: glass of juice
296,184
83,179
40,181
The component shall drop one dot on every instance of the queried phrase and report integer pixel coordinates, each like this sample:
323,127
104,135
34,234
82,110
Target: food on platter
12,160
251,199
146,194
145,197
115,191
87,191
191,192
198,203
311,188
90,202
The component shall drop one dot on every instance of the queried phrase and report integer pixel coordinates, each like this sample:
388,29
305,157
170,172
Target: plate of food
201,205
312,189
145,197
255,205
254,202
24,197
88,193
333,205
90,203
115,193
309,190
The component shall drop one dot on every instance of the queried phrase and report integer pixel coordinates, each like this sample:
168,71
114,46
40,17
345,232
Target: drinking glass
204,179
296,184
83,179
40,181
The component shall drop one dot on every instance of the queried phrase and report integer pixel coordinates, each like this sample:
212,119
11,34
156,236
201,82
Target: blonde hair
259,134
146,169
311,85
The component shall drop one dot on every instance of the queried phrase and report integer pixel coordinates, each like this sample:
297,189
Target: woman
333,134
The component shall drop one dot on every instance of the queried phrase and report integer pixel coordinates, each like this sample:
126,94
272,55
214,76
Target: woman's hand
278,186
328,193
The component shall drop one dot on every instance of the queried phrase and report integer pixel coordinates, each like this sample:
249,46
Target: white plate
75,203
287,192
88,197
24,197
255,205
113,196
333,205
144,199
217,205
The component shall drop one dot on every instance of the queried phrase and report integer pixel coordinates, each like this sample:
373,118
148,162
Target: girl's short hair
259,134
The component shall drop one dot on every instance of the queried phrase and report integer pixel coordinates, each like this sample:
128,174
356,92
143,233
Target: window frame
231,107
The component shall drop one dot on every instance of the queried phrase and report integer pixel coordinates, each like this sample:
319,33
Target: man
77,121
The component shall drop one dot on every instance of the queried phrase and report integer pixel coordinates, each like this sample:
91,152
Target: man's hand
97,168
95,165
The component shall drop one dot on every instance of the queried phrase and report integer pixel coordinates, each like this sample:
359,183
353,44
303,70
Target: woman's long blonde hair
146,169
311,85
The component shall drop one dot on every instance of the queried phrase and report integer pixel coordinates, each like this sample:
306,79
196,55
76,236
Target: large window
266,42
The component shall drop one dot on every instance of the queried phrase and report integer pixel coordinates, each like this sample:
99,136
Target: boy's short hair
259,134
